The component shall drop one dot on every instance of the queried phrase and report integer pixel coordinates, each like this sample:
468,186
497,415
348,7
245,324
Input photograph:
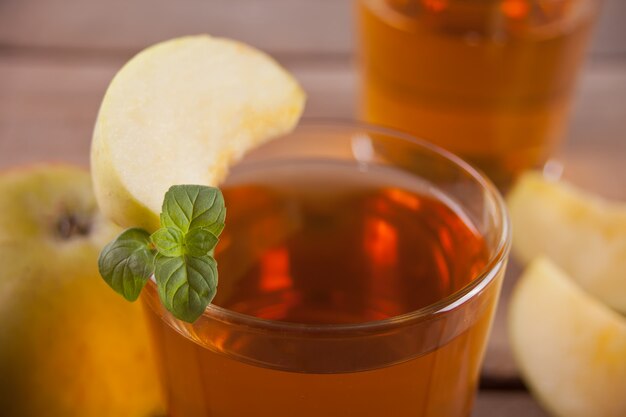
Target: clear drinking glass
359,273
490,80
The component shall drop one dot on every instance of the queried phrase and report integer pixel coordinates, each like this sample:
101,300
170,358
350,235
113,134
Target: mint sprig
179,254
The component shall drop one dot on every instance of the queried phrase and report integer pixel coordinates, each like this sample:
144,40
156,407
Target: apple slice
584,235
69,346
181,112
570,348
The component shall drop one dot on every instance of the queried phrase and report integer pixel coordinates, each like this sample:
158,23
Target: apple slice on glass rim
181,112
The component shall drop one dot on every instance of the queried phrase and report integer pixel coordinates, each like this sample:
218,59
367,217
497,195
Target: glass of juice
359,274
490,80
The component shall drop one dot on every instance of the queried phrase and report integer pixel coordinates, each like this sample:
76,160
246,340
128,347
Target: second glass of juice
359,274
490,80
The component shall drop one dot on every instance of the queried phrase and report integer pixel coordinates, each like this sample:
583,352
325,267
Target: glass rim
450,302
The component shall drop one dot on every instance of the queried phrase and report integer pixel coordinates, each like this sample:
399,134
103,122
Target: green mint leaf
169,241
188,207
127,263
200,242
186,284
180,254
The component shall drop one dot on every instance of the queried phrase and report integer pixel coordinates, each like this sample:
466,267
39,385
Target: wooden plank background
57,57
281,27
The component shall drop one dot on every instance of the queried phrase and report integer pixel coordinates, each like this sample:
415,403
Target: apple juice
490,80
321,252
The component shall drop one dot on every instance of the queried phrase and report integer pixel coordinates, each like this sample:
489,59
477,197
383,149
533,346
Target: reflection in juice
490,80
324,244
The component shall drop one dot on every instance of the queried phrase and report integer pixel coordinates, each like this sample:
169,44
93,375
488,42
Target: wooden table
57,57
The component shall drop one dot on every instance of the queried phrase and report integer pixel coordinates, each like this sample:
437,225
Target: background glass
490,80
419,363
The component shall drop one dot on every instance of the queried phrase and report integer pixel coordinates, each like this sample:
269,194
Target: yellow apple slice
181,112
583,234
570,348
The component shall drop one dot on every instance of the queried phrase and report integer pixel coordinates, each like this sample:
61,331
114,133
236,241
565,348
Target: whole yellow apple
69,346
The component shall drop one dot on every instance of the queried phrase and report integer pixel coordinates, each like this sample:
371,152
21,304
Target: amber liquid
490,80
322,243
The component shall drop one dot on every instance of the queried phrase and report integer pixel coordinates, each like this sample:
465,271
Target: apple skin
570,348
69,346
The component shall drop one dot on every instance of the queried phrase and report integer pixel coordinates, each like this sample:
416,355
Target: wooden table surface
57,57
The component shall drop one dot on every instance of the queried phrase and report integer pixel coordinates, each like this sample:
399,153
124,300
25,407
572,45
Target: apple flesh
581,233
570,348
181,112
69,346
